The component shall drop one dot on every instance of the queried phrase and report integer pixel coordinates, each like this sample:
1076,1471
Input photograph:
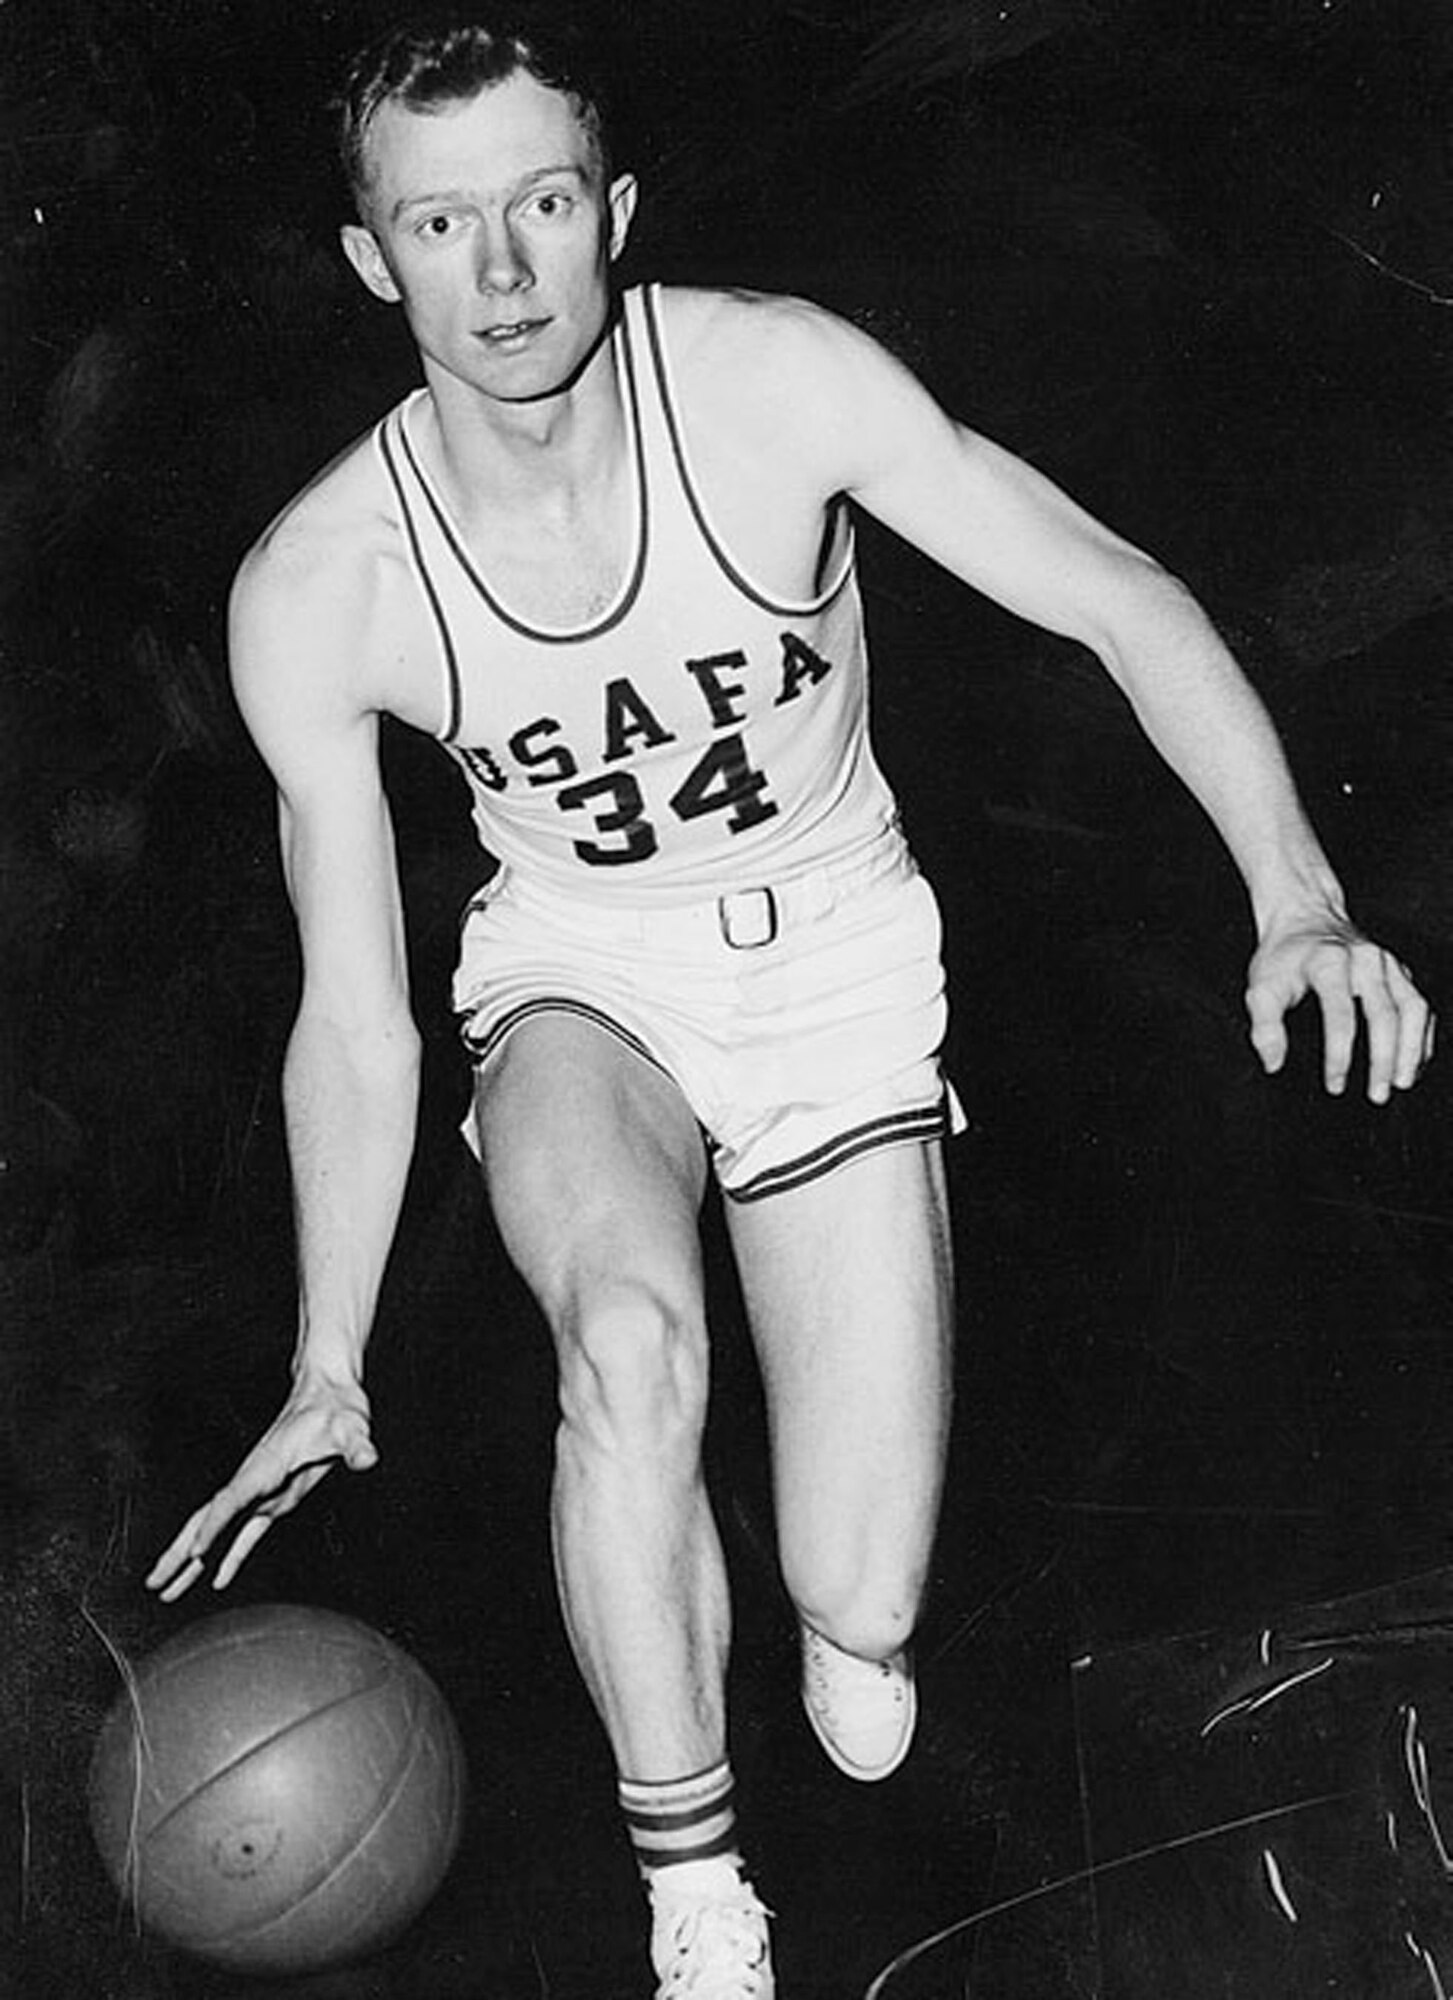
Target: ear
360,247
620,203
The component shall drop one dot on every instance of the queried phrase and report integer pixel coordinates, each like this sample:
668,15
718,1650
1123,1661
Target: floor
1193,1574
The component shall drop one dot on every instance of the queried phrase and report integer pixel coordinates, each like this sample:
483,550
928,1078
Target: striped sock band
685,1819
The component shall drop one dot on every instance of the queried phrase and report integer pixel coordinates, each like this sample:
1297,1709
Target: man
605,556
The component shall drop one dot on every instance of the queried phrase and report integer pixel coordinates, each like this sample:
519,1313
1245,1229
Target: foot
862,1711
709,1935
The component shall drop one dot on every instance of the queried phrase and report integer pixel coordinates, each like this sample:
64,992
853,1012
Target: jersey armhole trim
453,693
731,569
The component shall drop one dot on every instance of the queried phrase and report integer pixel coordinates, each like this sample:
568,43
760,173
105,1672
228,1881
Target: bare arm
1001,526
350,1075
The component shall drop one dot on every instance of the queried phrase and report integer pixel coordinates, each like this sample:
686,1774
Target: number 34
723,781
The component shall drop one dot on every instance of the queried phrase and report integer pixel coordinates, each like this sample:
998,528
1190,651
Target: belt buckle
748,918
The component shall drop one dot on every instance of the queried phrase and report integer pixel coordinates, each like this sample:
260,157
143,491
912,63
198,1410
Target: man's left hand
1349,974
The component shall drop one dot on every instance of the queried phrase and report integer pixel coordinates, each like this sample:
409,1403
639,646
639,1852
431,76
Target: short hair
447,57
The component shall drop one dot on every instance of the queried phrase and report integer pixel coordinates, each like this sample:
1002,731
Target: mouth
511,334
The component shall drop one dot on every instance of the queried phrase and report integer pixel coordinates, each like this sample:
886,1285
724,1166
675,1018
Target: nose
502,265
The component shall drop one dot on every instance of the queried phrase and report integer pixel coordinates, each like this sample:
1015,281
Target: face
487,221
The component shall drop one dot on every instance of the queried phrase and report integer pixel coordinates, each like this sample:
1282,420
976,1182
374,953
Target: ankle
720,1876
884,1647
680,1822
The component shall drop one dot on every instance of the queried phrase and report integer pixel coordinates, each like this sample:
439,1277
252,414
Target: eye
551,203
438,226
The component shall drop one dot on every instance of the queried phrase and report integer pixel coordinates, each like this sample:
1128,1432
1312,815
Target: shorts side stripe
928,1121
482,1046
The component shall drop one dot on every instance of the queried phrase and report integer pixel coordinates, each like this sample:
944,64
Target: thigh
594,1163
848,1286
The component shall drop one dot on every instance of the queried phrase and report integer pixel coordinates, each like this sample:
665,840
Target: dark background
1197,264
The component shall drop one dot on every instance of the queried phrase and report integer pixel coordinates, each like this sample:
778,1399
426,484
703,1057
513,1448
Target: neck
499,453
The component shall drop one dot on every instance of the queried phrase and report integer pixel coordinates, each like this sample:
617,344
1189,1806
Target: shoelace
718,1951
839,1686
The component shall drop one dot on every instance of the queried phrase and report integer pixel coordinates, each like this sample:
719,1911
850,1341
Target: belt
749,918
744,919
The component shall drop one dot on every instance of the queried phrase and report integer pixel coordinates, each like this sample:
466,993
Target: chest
559,570
559,560
671,558
675,666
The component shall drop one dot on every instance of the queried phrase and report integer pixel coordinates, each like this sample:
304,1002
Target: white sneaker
709,1935
862,1711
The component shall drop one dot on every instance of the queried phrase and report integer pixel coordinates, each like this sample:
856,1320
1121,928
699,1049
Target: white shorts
802,1023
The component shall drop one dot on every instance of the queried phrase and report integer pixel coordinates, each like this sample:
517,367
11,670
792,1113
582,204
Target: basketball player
604,555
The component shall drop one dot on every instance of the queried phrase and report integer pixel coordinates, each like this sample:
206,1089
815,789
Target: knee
862,1614
633,1373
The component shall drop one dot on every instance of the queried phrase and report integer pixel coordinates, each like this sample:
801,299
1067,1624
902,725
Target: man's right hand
323,1423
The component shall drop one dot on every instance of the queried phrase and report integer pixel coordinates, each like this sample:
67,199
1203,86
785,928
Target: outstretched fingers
1269,997
179,1565
249,1494
320,1426
1335,976
1397,1018
1354,981
1416,1026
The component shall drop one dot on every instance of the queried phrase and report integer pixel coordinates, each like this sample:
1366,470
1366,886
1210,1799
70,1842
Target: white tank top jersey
699,734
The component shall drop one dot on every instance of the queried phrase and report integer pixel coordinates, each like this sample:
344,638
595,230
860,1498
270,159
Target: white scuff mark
1271,1868
1429,1965
1264,1647
879,1987
141,1757
1391,1826
540,1972
1415,1756
1248,1704
1386,270
24,1850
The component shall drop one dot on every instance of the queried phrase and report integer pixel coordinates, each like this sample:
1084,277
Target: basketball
278,1789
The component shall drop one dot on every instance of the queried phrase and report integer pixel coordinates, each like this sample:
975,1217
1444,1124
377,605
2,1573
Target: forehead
483,144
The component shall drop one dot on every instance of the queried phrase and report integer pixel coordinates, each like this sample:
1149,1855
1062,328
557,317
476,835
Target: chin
534,379
526,385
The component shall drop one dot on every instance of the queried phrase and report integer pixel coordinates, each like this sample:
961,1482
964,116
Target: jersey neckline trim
630,587
749,587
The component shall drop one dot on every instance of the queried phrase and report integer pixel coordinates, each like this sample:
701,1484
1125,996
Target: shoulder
304,614
330,530
791,371
747,338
